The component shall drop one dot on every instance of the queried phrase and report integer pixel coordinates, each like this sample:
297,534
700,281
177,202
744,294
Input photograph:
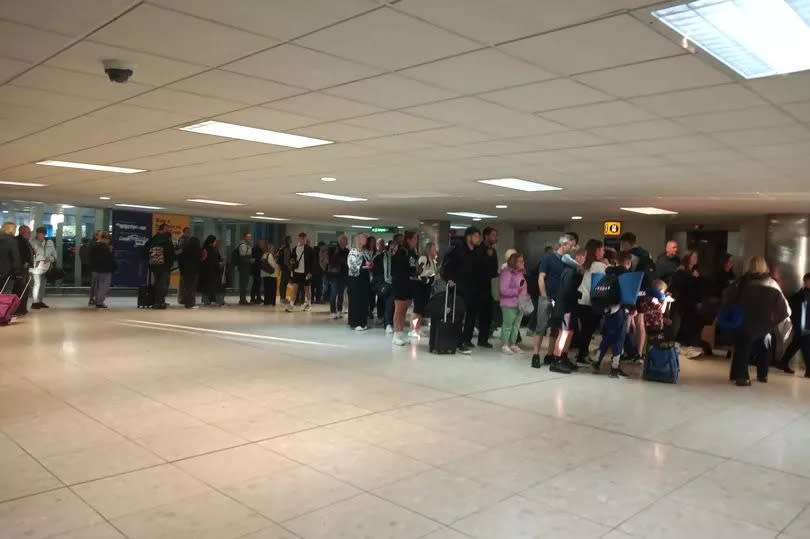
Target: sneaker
464,349
559,366
289,308
469,344
101,306
43,306
361,328
570,365
35,305
91,302
583,360
596,367
307,307
413,334
243,302
506,350
398,341
516,349
536,363
548,360
389,329
618,372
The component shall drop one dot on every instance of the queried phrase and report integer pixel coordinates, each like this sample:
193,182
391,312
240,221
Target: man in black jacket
800,316
10,263
337,273
667,264
160,257
27,262
301,260
486,270
461,267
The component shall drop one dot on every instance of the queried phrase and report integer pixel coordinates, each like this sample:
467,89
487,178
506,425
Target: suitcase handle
25,288
446,302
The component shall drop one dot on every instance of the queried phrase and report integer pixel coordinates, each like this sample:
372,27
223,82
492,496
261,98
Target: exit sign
383,229
613,228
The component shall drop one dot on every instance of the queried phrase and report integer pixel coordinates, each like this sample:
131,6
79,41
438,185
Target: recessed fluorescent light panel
104,198
576,218
87,166
650,211
329,196
501,206
139,206
472,215
458,227
254,134
268,218
67,206
520,185
755,38
24,184
361,226
214,202
356,217
328,179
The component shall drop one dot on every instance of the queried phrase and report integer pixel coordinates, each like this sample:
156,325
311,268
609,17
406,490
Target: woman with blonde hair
763,310
360,265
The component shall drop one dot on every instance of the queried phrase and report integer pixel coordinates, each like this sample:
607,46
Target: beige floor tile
369,467
22,475
784,450
264,424
446,533
271,532
290,493
442,496
363,516
189,442
45,515
323,413
313,446
100,461
97,531
519,518
137,491
800,527
235,466
206,516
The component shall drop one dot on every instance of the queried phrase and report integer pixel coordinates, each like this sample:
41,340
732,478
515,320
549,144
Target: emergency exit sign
613,228
383,229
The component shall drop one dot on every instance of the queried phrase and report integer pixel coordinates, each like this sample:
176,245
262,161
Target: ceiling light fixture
214,202
328,196
476,218
254,134
268,218
67,206
501,206
576,218
458,227
328,179
752,37
259,213
650,211
356,217
520,185
472,215
24,184
104,198
362,226
139,206
88,166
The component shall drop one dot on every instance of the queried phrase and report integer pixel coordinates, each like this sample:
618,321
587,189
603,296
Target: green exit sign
383,229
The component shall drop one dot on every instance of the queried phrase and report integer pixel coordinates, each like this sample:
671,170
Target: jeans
161,286
385,307
269,290
101,286
747,347
337,289
510,324
38,287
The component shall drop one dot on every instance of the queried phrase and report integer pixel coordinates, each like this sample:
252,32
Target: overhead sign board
383,229
613,228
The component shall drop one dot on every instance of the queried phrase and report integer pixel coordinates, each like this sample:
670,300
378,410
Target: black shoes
243,302
35,305
536,363
101,306
568,363
43,306
743,382
618,372
469,344
464,349
596,366
548,360
763,379
485,344
560,367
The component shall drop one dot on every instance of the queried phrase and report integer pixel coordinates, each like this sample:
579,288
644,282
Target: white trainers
398,341
335,316
389,329
516,349
307,307
289,308
506,350
413,334
361,328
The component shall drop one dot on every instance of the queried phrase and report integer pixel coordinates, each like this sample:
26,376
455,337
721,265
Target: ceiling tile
800,111
388,39
675,144
47,100
235,87
391,91
393,122
763,136
266,118
86,57
700,157
486,117
27,44
598,114
63,16
140,146
339,132
478,71
601,44
657,76
283,19
96,86
324,107
651,129
567,139
795,152
737,119
452,136
174,101
711,99
494,21
9,68
169,33
553,94
301,67
782,88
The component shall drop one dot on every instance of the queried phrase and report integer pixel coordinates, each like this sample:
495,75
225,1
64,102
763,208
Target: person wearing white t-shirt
301,273
588,318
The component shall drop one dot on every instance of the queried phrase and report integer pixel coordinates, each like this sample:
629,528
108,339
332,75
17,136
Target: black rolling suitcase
443,329
146,294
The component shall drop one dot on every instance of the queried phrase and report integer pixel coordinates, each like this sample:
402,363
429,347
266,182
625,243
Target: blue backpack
731,315
662,364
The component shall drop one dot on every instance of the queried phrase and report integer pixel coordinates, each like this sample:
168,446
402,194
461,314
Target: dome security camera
117,70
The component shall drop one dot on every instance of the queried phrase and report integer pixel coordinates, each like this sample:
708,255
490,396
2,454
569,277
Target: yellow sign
176,225
613,228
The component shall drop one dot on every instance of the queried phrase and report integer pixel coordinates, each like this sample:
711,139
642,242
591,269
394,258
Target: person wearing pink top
512,287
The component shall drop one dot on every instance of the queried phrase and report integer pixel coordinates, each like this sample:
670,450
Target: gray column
77,265
436,231
787,248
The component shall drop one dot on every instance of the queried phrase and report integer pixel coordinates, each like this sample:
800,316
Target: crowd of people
387,281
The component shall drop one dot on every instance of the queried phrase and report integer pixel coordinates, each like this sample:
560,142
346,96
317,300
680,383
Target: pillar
436,231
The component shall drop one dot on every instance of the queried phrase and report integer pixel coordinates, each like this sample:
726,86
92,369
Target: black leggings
269,290
746,348
359,294
588,319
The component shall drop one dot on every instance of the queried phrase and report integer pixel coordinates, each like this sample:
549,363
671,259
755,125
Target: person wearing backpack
614,326
269,274
640,260
586,314
242,261
160,258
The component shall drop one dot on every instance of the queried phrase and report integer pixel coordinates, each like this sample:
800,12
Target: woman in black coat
190,263
211,266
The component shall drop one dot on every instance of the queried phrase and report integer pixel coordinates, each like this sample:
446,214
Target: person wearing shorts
428,270
301,273
405,278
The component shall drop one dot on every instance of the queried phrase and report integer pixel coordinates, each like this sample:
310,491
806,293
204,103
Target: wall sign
384,230
613,228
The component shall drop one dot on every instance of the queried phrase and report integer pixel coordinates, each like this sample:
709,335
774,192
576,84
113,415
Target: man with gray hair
548,281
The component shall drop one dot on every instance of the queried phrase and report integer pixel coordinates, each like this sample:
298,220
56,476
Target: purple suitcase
9,303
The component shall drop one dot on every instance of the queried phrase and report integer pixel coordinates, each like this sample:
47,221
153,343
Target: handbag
525,305
54,273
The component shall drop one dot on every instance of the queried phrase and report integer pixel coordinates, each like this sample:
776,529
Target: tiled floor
251,423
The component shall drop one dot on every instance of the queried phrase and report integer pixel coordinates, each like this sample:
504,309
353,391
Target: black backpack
606,292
